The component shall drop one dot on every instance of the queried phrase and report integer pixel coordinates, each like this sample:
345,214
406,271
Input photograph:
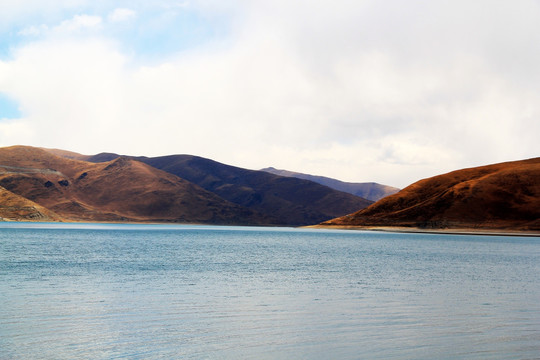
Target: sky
382,91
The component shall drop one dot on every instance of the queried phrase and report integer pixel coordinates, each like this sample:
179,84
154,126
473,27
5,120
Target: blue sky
358,90
9,108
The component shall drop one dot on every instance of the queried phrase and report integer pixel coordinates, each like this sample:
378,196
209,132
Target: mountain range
59,185
498,196
370,190
62,185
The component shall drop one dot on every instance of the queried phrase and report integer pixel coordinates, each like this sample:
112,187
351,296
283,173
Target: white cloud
358,90
79,22
73,26
34,30
121,14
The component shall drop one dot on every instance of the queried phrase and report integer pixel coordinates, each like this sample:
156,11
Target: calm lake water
75,291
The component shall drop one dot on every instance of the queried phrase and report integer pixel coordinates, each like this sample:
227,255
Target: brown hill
118,190
499,196
15,207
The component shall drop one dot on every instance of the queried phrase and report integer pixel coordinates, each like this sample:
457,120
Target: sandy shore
464,231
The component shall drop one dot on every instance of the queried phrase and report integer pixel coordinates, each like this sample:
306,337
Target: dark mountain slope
292,201
499,196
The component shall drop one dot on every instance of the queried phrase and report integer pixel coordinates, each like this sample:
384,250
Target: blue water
75,291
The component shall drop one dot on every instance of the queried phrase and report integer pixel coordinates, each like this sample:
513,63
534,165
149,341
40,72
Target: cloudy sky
387,91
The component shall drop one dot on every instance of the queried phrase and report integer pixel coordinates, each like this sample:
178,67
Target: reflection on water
153,291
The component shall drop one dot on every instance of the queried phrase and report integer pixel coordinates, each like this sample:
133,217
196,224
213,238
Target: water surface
92,291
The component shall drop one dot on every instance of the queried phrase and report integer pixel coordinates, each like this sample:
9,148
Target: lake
101,291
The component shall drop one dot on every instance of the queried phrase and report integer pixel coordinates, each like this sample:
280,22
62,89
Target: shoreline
448,231
396,229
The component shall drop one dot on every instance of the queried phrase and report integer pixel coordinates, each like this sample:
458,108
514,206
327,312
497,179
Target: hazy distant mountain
119,190
370,190
499,196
